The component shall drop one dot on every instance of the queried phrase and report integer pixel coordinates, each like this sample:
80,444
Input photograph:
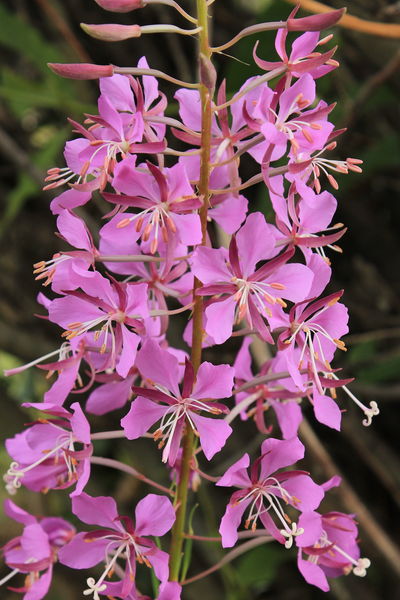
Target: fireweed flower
113,309
316,328
330,541
119,538
45,456
265,488
289,122
177,409
115,133
303,216
303,58
34,552
167,200
251,291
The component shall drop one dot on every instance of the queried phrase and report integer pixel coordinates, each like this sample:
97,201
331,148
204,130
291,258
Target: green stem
203,189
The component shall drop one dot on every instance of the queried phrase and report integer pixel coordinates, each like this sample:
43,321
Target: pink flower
330,541
124,121
45,456
35,551
119,538
302,219
264,488
303,58
247,292
167,200
116,307
178,409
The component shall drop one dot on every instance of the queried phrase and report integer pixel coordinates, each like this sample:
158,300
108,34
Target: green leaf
26,186
20,36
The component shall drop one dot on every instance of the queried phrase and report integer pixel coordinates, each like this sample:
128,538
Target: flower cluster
113,302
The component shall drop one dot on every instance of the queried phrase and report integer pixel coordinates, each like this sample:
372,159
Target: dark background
34,104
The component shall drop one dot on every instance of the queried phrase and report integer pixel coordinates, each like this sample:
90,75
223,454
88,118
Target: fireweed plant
112,302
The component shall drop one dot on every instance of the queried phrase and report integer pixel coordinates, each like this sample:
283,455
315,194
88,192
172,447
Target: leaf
26,186
20,36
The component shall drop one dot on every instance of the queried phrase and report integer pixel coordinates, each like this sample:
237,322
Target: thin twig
116,464
229,557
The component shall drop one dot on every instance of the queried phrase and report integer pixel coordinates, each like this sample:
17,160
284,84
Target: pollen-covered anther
353,164
341,345
325,39
123,223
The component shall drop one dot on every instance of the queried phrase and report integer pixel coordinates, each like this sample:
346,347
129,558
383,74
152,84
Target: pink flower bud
81,70
316,22
111,32
120,6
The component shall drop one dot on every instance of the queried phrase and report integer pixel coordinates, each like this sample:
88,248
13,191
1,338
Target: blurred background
34,104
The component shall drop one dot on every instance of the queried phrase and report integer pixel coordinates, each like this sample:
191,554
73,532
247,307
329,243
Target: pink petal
237,474
214,381
230,522
230,213
289,417
305,490
73,229
118,91
213,433
313,574
141,416
189,229
69,199
109,396
18,514
159,365
279,454
100,510
255,242
154,515
40,587
219,319
209,265
79,424
130,342
80,553
311,522
326,411
243,361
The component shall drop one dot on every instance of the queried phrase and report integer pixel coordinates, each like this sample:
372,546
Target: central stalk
197,338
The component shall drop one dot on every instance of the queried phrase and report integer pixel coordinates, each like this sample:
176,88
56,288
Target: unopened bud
111,32
121,6
208,74
315,22
81,70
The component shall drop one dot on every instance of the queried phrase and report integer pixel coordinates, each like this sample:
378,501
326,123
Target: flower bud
81,70
315,22
208,74
111,32
121,6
